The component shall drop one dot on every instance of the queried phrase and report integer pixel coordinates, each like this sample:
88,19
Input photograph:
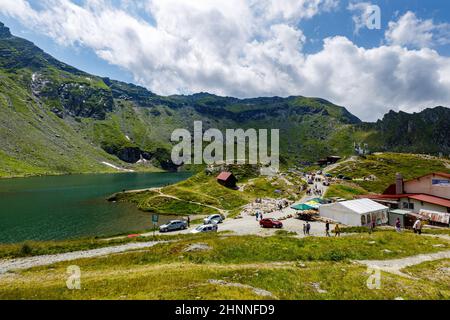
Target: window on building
363,220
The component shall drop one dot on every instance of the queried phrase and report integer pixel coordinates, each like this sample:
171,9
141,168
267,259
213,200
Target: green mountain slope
424,132
376,172
57,119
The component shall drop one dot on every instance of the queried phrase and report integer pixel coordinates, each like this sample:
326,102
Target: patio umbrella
302,207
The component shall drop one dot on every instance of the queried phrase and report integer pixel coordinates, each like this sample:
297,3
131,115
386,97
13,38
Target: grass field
201,194
36,248
277,267
435,271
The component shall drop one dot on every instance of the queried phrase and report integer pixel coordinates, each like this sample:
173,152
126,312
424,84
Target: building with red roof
430,192
227,179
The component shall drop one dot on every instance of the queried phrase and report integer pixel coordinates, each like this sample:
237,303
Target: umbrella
302,207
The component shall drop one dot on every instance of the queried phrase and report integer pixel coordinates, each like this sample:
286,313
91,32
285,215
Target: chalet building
227,179
427,195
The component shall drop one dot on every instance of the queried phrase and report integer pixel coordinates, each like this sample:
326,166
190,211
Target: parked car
214,219
271,223
173,225
205,228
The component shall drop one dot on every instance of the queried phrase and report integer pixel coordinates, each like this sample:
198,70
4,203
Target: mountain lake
74,206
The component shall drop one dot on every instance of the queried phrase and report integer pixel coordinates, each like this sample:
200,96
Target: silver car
205,228
214,219
173,225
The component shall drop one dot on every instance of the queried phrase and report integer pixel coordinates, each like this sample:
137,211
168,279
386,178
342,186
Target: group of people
337,229
314,192
417,226
259,216
281,204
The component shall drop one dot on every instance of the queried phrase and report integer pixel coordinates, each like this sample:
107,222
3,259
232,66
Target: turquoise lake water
74,206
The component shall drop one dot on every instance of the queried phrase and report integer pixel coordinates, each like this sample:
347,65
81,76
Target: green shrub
26,249
336,255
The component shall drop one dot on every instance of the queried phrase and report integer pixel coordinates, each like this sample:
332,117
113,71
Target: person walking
417,227
327,229
304,229
372,226
308,228
257,215
337,231
398,225
189,221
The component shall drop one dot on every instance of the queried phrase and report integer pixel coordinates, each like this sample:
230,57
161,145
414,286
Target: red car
270,223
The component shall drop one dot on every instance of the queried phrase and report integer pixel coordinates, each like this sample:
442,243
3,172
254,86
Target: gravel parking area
247,225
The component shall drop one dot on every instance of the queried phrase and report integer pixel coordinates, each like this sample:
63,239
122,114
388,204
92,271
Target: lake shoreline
83,173
72,206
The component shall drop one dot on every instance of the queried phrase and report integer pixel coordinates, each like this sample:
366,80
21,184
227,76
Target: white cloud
412,31
244,49
362,13
371,81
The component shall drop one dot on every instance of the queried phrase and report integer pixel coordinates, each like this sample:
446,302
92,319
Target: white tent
359,212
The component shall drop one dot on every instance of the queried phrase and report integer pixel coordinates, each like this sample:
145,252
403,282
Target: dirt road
30,262
395,266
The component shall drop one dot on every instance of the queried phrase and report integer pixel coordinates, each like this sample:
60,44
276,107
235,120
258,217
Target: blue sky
247,48
340,22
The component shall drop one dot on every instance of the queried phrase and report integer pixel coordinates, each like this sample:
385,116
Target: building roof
362,206
431,199
392,188
420,197
224,176
387,196
401,212
443,174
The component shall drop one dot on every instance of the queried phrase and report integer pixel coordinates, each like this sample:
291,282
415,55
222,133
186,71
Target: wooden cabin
227,179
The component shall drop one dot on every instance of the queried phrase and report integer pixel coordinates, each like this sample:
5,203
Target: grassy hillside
241,268
345,191
423,132
384,166
57,119
201,194
36,141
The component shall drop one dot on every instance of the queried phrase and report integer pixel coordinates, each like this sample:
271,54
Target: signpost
155,220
